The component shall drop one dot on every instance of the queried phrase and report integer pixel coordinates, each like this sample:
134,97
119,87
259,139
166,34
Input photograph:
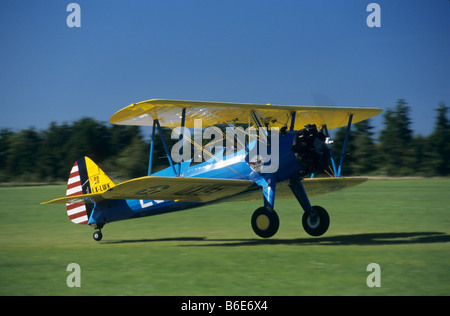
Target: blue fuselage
235,166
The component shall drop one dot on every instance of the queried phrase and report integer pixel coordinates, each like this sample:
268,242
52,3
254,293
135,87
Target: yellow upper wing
168,112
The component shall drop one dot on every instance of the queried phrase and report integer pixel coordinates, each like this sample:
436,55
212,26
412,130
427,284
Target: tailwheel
97,235
265,222
316,221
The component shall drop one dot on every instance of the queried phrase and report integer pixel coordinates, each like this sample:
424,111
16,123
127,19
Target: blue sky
255,51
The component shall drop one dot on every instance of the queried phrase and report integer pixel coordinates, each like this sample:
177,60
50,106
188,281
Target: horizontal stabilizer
82,198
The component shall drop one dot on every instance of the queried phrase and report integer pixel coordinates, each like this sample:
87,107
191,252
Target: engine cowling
311,149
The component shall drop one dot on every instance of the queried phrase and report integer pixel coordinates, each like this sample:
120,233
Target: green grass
404,226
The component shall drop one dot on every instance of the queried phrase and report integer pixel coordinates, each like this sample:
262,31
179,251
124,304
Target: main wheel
97,235
265,222
316,221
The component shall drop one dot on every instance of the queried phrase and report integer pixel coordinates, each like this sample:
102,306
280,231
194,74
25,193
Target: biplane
296,145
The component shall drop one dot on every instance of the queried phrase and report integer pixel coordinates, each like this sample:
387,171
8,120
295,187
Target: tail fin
85,177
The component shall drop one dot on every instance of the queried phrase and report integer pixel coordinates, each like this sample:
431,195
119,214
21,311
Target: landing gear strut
315,219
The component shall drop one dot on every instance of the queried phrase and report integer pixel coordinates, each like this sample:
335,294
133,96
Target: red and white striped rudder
77,212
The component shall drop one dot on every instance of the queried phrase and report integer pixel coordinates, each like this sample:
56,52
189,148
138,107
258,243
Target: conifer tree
440,142
395,141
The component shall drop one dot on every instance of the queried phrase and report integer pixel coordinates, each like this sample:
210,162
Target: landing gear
265,222
97,235
316,221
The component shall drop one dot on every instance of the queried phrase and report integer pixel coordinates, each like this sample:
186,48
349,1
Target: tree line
47,155
397,151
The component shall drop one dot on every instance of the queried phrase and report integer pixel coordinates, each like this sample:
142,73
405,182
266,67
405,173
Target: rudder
85,177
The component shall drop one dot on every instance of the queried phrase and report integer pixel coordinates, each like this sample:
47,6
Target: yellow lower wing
313,187
166,188
182,189
205,190
320,186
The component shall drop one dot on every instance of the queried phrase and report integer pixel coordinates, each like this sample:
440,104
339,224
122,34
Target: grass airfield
403,225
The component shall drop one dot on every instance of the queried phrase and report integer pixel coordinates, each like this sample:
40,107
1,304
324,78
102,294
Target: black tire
97,235
316,226
265,222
